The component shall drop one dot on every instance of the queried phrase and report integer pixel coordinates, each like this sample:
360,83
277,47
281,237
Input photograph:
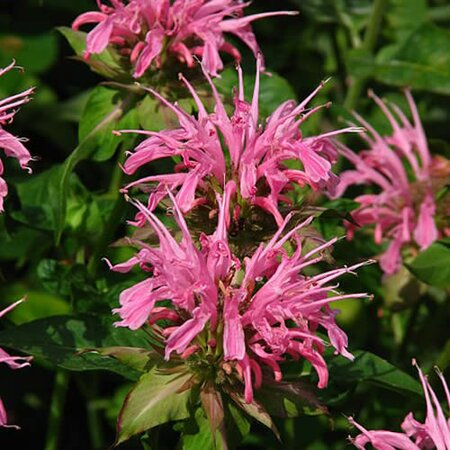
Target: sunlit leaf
154,400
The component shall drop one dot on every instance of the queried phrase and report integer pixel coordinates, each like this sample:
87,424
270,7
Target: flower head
144,30
241,318
434,433
214,148
11,145
15,362
407,177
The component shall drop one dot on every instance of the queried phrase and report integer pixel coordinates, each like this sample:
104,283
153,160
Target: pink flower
11,145
434,433
246,316
255,156
143,30
15,362
403,211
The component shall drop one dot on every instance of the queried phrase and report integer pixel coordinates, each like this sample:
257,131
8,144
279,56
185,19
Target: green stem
57,409
117,175
113,220
368,44
88,386
409,328
94,424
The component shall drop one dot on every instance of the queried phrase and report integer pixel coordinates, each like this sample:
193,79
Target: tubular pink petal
426,231
233,337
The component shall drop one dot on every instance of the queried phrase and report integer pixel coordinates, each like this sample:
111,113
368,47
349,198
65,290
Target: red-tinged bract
251,317
145,31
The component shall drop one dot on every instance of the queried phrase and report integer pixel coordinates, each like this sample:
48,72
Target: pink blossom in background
13,147
248,316
143,30
252,154
10,144
433,434
402,210
15,362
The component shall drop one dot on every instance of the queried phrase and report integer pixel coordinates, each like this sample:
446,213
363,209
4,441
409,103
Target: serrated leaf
154,400
432,266
368,367
59,339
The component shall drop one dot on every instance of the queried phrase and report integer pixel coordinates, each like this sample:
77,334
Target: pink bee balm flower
433,434
143,30
401,167
249,316
15,362
257,153
11,145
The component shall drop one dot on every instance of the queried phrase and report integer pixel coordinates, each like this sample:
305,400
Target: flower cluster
251,154
402,168
11,145
249,317
146,31
15,362
434,433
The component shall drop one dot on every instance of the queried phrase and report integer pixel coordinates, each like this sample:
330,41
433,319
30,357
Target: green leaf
200,436
157,398
105,63
237,424
368,367
432,266
403,16
151,114
38,199
76,39
101,103
22,243
137,358
360,63
35,53
421,61
38,304
58,340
